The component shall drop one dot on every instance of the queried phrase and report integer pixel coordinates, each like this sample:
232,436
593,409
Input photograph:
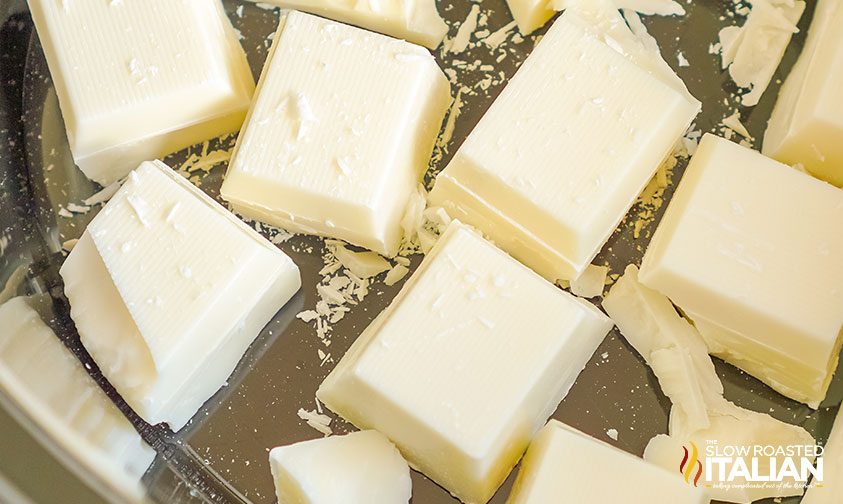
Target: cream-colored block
592,281
530,15
563,152
807,123
416,21
85,429
358,468
340,133
137,80
750,249
168,289
466,364
566,465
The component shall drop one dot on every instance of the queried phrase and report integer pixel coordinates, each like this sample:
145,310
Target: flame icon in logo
691,467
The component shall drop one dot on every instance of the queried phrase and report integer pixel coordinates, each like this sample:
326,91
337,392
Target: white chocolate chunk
564,151
752,52
530,15
139,80
807,122
700,417
316,420
91,436
734,123
563,461
358,468
339,134
462,38
591,282
168,289
396,274
362,264
670,345
416,21
466,364
738,226
828,490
